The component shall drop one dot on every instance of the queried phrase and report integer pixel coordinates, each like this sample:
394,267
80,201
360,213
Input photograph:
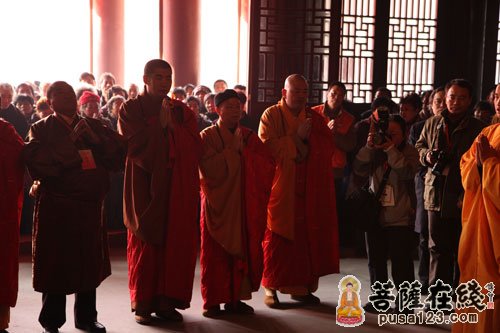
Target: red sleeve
11,200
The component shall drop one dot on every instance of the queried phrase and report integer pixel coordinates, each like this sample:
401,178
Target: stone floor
114,309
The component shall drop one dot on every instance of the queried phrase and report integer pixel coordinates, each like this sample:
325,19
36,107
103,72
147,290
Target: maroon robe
161,197
70,251
222,273
11,201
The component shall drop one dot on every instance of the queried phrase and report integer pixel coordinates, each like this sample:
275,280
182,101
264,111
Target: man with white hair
9,112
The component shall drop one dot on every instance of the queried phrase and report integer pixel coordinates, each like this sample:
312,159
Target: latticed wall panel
357,49
328,40
412,46
293,37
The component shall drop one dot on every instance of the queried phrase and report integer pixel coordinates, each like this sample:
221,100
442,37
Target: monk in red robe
236,177
70,158
11,201
161,197
479,249
301,241
341,124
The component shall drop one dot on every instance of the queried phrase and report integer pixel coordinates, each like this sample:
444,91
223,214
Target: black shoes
238,308
92,327
212,312
50,330
309,299
169,315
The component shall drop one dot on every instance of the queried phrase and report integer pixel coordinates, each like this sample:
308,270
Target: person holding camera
391,164
444,139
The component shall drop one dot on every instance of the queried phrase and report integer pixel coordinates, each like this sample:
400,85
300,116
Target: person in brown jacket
70,157
444,139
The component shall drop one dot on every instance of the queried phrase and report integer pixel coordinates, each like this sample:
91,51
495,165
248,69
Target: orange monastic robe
301,242
479,250
235,192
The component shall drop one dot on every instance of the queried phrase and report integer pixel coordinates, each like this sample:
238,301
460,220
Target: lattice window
356,49
317,47
497,76
293,35
412,45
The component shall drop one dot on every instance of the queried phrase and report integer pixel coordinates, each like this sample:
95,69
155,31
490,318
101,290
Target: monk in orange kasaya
479,249
301,241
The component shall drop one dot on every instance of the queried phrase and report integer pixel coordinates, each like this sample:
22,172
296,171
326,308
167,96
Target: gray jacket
404,166
442,193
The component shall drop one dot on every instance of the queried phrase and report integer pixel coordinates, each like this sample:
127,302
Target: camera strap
385,178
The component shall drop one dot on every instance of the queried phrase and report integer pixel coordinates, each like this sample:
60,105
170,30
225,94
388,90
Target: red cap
88,97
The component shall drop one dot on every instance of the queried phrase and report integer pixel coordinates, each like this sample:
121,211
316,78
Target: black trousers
395,243
444,236
53,313
422,227
423,254
345,229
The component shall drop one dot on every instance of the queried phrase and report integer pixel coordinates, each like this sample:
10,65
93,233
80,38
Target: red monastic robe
343,122
235,194
301,242
479,249
161,197
11,201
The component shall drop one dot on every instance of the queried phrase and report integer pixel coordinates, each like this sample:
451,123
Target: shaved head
293,80
295,92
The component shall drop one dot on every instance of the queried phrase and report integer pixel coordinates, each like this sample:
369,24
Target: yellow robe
278,130
479,249
220,170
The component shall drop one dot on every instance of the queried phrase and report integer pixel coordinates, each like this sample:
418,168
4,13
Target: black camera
441,160
381,125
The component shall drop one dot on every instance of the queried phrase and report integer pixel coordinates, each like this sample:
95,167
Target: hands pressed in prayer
484,150
166,118
304,129
83,129
237,140
331,124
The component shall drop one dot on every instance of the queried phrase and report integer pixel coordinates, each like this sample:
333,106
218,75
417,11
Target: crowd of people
262,201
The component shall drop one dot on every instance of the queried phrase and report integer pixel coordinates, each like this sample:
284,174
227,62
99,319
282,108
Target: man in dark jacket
444,139
70,158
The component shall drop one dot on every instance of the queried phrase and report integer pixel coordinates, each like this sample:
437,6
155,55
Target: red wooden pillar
108,38
180,38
